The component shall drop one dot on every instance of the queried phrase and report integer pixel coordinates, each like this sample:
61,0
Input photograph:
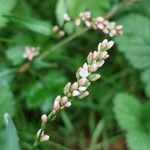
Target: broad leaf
5,7
6,99
135,43
11,137
35,25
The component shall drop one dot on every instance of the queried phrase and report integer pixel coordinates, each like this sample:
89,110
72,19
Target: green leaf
6,99
11,139
97,7
133,117
126,108
135,43
15,54
35,25
60,11
49,85
5,7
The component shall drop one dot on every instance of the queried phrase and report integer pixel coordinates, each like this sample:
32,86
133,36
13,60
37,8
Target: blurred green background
116,115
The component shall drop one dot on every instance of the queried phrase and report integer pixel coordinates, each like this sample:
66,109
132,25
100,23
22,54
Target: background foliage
116,114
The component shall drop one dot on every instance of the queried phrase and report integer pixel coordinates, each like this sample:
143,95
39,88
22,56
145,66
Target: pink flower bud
93,67
82,81
44,118
68,104
95,55
64,100
57,103
74,86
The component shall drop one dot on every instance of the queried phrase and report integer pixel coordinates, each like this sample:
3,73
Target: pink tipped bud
64,100
57,103
44,118
95,55
44,138
68,104
74,86
75,93
82,81
93,67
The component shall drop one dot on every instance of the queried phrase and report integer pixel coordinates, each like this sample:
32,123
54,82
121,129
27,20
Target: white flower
82,88
83,73
44,138
75,93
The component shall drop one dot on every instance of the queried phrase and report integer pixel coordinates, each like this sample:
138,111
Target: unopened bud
44,138
61,33
88,23
64,100
77,21
82,88
103,55
94,77
66,17
82,81
39,132
93,67
101,63
83,73
44,118
67,88
55,29
74,86
90,58
110,44
83,95
68,104
75,93
95,55
57,103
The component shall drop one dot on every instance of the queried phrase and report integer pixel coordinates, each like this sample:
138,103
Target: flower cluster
97,23
30,52
85,75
